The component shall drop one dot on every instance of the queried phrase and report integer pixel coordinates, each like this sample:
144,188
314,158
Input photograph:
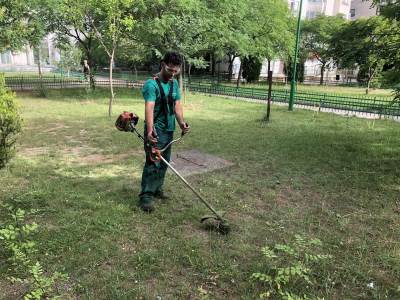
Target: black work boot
146,204
161,195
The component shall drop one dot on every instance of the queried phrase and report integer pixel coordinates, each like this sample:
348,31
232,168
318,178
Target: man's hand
184,127
151,137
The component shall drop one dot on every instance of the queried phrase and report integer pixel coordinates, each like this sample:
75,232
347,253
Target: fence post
22,79
321,102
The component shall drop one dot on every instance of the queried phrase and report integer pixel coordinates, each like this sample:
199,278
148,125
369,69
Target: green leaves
16,240
290,267
10,123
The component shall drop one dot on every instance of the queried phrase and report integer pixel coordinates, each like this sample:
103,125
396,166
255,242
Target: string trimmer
127,121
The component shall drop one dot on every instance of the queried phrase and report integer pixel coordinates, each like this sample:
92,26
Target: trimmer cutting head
212,222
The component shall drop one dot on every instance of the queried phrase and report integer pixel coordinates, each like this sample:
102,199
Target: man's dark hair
172,58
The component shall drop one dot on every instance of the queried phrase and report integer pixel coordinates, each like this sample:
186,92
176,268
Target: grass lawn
319,175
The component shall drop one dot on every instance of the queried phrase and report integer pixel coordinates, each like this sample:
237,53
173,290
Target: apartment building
312,67
362,9
26,59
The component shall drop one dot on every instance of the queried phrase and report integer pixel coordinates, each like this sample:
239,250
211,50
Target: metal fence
321,101
361,104
32,83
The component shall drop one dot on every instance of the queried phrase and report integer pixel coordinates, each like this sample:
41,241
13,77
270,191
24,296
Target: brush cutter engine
126,121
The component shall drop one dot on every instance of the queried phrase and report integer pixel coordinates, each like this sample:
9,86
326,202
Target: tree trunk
239,75
218,73
190,68
89,62
213,64
136,75
111,84
230,67
40,72
269,92
370,76
321,79
40,68
91,76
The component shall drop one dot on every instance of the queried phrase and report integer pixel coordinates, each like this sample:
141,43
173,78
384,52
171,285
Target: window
5,57
352,12
311,14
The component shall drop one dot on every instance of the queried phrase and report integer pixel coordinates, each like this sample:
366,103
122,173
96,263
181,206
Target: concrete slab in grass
191,162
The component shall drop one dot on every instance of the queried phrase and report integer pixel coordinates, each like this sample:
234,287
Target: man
162,106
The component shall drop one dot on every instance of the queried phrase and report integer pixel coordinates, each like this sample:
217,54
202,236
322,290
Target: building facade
26,59
312,67
362,9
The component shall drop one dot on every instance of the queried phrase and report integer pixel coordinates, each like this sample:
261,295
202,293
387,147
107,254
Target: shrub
290,269
16,239
10,123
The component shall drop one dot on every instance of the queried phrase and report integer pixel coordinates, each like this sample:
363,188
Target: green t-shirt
151,93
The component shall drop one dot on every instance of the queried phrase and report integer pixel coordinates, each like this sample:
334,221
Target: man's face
170,70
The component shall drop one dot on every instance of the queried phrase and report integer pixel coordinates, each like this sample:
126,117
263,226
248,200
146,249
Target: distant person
86,69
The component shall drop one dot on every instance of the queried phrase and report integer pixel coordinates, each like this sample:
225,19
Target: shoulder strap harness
167,103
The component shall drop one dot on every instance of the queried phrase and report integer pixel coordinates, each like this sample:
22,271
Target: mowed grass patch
318,175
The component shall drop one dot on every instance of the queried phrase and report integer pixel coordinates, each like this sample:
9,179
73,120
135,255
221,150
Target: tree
227,31
180,25
113,20
39,27
24,22
71,21
271,29
317,35
70,57
391,11
361,44
251,68
13,24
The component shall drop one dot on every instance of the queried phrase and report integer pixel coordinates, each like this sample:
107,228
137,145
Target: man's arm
179,112
149,114
179,117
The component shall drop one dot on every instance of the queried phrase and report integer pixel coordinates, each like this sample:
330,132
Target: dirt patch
55,127
11,291
35,151
88,156
82,155
194,162
194,229
78,151
94,159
